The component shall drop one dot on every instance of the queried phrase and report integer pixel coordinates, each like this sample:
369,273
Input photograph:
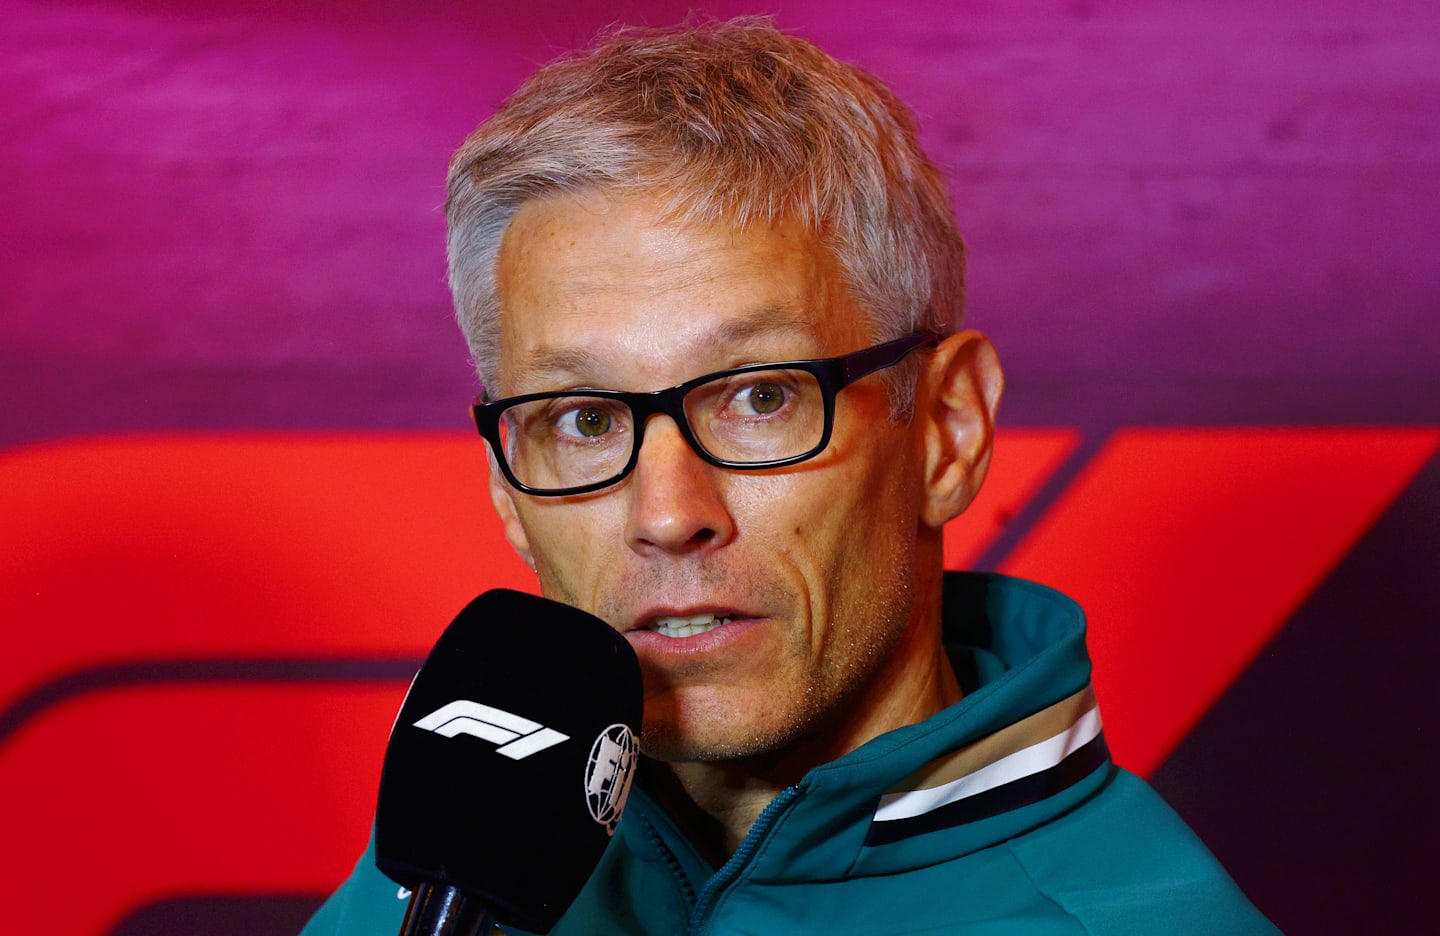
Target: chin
666,740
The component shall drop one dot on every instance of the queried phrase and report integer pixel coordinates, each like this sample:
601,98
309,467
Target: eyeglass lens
752,417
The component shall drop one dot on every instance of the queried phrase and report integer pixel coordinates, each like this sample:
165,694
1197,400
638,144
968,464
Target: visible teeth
686,626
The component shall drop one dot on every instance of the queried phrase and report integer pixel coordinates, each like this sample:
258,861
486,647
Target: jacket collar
1023,745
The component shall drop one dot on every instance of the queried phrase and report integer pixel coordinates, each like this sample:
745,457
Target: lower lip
649,644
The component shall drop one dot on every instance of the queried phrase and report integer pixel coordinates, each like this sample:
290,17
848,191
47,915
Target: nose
675,507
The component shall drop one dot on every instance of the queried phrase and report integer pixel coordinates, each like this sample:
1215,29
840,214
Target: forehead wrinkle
733,334
671,259
758,323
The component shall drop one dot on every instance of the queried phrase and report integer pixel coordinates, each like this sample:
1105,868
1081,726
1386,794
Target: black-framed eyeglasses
747,418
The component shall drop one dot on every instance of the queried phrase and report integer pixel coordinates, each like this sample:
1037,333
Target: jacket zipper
677,871
727,874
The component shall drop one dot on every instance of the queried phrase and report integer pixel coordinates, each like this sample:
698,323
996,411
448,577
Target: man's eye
588,421
765,398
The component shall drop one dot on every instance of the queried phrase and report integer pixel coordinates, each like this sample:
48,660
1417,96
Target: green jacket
1002,814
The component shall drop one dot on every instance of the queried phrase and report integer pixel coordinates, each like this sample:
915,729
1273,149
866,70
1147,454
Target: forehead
599,289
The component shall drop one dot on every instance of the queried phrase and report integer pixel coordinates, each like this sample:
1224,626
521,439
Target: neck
717,802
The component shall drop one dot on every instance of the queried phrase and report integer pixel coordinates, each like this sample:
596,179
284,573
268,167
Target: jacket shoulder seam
1025,870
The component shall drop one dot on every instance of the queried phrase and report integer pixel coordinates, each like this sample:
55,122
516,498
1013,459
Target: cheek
839,536
870,488
569,550
868,520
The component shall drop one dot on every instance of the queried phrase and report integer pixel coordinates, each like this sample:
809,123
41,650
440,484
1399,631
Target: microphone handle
443,910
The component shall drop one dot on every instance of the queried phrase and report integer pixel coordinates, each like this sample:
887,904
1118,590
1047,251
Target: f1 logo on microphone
518,737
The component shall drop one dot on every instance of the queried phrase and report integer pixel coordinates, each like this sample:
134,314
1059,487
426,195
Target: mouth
686,625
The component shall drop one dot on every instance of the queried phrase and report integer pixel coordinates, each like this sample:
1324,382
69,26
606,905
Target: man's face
797,582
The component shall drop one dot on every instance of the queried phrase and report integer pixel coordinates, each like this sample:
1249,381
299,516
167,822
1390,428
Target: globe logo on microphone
608,774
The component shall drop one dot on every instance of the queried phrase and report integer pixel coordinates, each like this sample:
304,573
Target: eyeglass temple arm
864,363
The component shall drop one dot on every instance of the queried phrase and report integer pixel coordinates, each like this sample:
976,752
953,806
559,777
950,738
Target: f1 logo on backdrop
242,532
518,737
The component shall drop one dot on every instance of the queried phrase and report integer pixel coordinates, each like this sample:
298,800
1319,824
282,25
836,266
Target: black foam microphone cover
511,758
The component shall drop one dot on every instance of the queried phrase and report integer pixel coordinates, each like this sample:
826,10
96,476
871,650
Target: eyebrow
758,322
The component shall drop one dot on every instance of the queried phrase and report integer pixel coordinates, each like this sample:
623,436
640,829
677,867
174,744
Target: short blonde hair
733,121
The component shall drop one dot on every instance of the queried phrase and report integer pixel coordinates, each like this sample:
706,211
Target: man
840,737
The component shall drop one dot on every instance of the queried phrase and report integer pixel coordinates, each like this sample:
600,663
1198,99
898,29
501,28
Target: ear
503,499
959,397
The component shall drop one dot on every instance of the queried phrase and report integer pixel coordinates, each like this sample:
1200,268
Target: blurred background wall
1202,236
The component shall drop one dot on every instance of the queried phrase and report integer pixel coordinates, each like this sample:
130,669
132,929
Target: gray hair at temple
732,121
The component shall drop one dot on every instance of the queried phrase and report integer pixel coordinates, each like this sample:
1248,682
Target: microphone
508,766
